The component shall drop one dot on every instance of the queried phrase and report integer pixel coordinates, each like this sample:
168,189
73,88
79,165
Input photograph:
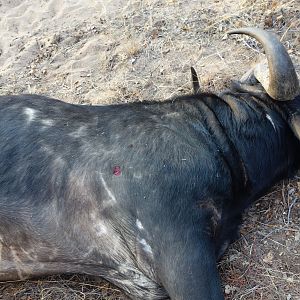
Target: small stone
227,289
268,258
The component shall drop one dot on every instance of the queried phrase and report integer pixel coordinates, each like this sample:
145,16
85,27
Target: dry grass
61,287
265,262
143,50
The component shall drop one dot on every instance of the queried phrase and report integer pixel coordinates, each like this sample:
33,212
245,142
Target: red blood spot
117,171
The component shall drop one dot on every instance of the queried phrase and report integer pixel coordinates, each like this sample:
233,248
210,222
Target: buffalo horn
283,83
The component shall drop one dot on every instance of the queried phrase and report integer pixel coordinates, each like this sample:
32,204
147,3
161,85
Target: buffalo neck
261,134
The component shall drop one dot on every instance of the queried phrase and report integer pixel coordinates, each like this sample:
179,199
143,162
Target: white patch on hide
93,216
146,246
17,263
47,122
173,114
80,132
137,175
29,256
271,120
30,114
58,162
100,228
109,192
139,224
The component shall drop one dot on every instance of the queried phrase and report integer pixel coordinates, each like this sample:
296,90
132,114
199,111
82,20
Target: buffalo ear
195,81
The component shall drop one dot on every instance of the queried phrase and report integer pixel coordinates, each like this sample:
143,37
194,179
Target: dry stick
290,210
217,53
287,4
293,24
283,193
249,291
272,280
271,232
250,47
249,262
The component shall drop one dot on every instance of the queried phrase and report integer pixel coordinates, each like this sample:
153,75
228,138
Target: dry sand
119,51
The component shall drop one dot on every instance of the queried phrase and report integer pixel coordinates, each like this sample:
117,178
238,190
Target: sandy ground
118,51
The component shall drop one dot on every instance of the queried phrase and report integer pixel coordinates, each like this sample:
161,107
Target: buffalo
147,195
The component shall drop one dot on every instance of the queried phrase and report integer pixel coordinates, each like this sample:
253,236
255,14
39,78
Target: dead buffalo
145,195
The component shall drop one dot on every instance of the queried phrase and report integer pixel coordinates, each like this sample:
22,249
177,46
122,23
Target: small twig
270,233
252,48
290,210
283,193
286,31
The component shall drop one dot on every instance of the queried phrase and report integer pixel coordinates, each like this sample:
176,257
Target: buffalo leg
187,269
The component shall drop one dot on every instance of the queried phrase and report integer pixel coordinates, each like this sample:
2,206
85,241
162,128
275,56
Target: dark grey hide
145,195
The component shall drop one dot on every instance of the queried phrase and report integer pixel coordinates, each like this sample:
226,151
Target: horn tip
246,30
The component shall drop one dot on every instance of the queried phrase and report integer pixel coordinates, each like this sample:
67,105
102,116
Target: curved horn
283,82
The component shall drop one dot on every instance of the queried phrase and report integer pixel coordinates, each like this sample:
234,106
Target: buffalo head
274,76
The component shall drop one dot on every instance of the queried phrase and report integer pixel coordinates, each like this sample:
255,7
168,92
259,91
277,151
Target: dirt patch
120,51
